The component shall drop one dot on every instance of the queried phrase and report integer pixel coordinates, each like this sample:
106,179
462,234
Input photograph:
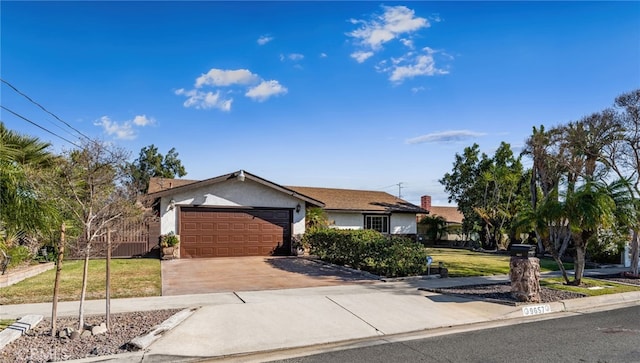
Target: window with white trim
377,222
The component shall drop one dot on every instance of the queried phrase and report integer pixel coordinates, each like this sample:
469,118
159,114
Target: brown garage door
227,233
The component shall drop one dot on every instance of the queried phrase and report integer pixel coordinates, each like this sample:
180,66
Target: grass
464,263
589,287
129,278
4,323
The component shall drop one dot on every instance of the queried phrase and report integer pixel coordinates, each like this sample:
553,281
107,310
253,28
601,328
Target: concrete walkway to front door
225,274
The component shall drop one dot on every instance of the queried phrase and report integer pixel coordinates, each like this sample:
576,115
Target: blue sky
362,95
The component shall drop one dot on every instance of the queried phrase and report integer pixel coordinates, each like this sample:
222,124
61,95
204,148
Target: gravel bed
501,293
38,346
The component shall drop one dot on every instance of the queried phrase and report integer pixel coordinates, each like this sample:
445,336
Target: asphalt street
604,337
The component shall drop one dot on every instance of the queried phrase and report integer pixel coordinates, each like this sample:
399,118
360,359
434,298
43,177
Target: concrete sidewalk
236,325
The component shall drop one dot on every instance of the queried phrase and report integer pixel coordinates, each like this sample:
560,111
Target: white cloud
122,131
264,39
265,90
445,137
323,55
221,83
417,89
360,56
407,43
221,77
395,21
296,57
422,65
398,24
143,120
205,100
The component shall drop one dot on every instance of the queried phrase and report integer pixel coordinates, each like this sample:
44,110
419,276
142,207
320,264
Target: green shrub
368,250
18,255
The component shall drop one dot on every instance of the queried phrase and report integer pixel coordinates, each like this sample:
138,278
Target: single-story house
242,214
451,215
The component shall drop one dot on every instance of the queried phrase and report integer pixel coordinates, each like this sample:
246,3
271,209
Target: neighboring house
451,215
241,214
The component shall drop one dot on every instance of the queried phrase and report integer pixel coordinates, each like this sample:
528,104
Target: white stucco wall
230,193
403,224
344,220
399,223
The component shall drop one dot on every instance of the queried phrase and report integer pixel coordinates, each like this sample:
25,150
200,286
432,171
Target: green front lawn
589,287
129,278
463,263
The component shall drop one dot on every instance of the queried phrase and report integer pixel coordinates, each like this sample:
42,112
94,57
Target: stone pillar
525,278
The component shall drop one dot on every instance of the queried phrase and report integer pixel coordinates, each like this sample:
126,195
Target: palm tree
436,226
547,220
588,209
316,218
23,159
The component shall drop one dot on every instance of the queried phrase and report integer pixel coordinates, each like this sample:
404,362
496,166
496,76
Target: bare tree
56,284
624,159
97,194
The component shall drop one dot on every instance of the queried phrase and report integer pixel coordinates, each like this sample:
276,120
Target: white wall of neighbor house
399,223
230,193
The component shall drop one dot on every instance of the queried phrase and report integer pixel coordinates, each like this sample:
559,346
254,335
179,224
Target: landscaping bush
368,250
19,254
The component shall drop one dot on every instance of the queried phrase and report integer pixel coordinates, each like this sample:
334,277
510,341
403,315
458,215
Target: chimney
425,202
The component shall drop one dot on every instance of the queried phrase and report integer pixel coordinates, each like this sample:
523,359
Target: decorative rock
99,329
85,334
74,335
525,278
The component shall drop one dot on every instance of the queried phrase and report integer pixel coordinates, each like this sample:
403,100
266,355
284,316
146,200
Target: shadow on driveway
210,275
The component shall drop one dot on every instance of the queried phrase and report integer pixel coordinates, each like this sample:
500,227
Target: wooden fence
131,239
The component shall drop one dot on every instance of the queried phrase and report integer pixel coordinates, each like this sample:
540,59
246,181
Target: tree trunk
85,276
108,282
579,264
635,252
56,284
556,257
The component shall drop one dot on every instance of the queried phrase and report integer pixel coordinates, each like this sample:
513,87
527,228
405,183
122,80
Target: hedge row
369,250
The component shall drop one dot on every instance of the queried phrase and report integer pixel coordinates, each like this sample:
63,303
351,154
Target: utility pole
400,189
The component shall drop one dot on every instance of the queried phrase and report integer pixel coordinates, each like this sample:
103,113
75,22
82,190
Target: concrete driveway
207,275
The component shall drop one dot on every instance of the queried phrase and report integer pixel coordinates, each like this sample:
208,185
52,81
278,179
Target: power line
43,109
38,126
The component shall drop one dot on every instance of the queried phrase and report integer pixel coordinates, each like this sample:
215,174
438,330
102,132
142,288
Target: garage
208,232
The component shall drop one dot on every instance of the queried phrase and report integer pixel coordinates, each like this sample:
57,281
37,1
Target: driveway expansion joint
239,298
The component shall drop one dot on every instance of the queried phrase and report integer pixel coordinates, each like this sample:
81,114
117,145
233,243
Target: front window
377,222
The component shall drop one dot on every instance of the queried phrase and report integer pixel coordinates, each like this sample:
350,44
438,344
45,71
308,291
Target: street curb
592,302
18,329
144,341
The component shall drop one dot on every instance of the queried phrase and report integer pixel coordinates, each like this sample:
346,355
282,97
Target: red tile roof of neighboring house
450,214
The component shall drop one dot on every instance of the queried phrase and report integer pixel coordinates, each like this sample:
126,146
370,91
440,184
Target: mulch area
501,293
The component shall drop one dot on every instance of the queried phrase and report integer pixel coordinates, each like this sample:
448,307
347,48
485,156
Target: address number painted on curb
536,309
